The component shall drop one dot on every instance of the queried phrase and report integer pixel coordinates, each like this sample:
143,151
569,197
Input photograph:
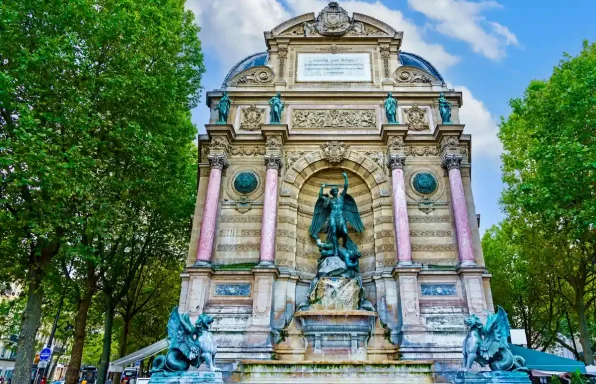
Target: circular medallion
424,183
246,182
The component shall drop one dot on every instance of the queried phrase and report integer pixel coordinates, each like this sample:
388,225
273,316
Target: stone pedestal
335,293
190,377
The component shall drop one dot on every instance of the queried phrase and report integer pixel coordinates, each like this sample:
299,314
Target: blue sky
489,50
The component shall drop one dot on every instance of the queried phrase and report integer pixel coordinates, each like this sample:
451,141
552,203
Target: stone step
344,372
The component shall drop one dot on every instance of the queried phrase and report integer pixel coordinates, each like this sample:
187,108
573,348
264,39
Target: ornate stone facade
251,222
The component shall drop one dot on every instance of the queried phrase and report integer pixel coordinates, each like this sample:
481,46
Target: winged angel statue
487,344
336,210
190,345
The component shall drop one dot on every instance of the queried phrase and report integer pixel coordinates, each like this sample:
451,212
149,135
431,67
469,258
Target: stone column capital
218,161
273,162
452,161
396,161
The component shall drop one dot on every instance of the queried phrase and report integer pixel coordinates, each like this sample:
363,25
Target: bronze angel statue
336,211
487,344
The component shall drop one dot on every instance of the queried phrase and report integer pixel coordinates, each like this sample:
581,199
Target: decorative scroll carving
407,74
378,157
334,151
247,151
334,118
385,54
416,119
254,75
252,118
241,219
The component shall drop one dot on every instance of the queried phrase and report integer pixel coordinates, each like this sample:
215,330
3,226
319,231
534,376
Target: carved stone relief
421,151
416,118
252,118
385,54
334,118
247,150
292,157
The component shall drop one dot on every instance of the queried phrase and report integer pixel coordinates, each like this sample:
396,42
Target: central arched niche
307,252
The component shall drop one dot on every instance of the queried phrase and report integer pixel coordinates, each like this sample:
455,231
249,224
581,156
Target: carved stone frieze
383,219
252,118
407,74
273,142
238,247
433,247
241,219
219,143
449,142
254,75
334,151
247,150
428,219
231,232
334,118
417,119
430,233
395,143
421,151
333,49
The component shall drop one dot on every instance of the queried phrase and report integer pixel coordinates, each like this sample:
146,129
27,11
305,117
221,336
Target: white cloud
413,40
481,124
463,20
235,30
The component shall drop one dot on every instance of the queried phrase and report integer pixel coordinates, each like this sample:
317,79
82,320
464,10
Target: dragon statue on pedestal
487,344
190,345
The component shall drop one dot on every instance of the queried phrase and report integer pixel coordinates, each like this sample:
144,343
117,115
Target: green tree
91,111
549,166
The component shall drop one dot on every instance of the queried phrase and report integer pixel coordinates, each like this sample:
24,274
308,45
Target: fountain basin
344,372
336,335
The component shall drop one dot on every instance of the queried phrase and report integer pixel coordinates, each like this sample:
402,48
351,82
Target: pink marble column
269,222
400,210
460,211
208,222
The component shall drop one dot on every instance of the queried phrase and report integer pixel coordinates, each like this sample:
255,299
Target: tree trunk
107,342
125,331
584,335
29,326
76,354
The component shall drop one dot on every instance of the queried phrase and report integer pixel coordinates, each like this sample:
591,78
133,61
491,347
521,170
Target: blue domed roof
248,62
406,58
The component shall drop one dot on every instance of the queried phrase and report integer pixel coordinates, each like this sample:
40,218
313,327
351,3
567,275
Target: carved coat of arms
252,118
334,151
333,20
417,119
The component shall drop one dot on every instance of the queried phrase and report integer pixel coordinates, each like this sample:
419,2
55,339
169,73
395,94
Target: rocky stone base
321,372
190,377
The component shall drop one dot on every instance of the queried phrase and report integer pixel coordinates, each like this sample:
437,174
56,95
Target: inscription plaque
333,67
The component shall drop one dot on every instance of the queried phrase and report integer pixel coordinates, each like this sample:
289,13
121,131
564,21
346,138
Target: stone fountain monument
335,335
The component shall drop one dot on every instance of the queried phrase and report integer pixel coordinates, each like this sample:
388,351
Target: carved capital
452,161
273,162
218,161
396,161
